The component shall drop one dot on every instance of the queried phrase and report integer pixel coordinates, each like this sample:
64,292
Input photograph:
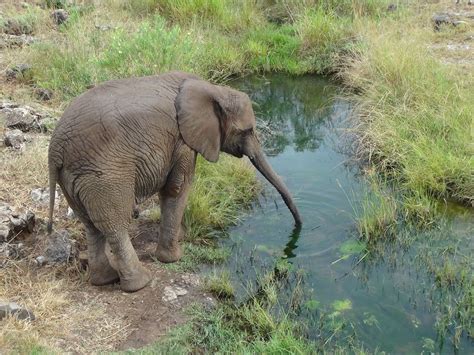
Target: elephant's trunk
260,162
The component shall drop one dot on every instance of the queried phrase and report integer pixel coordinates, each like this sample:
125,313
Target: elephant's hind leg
133,275
101,272
110,210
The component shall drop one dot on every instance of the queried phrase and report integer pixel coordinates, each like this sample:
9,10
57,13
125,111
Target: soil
106,318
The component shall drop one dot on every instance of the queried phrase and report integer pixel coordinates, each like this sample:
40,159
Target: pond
388,297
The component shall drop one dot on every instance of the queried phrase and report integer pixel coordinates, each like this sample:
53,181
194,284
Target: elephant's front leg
172,209
173,199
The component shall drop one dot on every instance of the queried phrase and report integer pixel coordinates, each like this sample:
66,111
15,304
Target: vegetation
412,131
407,97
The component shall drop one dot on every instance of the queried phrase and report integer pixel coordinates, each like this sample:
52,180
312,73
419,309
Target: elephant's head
214,118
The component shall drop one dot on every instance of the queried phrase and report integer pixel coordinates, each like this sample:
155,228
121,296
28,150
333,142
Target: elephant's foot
106,275
169,254
135,280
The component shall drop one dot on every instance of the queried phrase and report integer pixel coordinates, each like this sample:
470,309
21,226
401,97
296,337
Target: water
394,300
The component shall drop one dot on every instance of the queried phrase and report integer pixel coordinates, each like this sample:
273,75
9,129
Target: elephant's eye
247,132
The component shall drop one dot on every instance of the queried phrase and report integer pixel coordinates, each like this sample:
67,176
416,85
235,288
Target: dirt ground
74,316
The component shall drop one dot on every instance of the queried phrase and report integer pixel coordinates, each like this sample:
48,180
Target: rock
40,195
13,309
169,294
23,223
179,291
191,279
40,260
10,251
12,41
18,71
60,248
25,118
144,214
43,94
441,19
392,7
4,233
60,16
12,223
21,118
70,213
14,139
446,19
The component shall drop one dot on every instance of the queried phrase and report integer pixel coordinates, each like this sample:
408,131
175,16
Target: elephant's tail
53,178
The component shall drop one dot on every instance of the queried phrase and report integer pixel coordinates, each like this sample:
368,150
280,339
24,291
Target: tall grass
416,113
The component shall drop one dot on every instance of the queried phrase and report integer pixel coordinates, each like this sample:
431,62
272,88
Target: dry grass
68,318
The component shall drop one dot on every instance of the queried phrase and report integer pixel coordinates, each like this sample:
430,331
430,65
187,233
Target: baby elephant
126,140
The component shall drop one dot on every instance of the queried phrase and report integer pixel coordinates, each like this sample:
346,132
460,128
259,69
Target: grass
414,114
251,327
219,285
414,111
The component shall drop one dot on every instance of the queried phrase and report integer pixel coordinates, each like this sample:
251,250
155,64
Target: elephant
128,139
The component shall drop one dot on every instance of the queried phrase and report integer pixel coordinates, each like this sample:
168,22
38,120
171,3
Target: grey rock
10,251
25,118
441,19
43,94
40,195
14,138
40,260
18,71
21,118
59,16
169,294
179,291
190,279
60,248
23,223
70,213
12,41
12,223
15,310
4,233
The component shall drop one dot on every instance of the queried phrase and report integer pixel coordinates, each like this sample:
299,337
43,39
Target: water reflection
290,115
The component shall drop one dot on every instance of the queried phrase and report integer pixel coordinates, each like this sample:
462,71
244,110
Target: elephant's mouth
260,162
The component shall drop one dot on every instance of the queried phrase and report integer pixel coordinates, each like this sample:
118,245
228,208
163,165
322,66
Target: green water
395,303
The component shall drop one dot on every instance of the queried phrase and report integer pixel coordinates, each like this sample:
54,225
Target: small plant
220,285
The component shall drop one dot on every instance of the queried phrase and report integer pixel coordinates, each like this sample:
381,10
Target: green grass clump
254,326
220,285
376,214
219,193
195,255
324,36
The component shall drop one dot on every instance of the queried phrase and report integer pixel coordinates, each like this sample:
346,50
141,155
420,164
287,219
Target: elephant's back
120,119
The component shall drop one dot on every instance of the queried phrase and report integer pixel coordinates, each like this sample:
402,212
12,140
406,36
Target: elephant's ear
200,115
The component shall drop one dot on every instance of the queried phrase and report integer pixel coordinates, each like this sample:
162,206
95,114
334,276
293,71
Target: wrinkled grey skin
126,140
